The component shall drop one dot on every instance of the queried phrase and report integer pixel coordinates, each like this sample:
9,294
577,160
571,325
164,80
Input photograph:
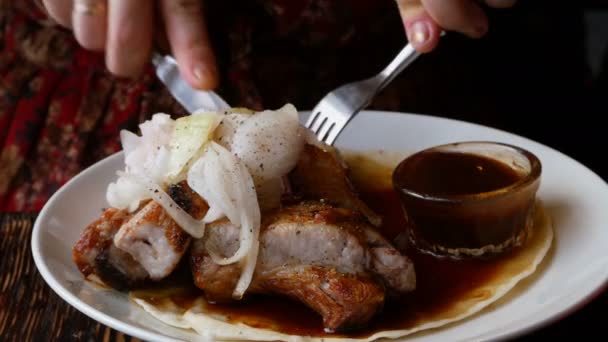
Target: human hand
425,19
125,31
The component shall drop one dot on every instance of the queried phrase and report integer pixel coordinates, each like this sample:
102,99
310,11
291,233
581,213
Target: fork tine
323,133
319,124
332,135
312,119
339,106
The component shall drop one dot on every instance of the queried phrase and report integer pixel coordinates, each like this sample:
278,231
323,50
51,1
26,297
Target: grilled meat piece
331,259
345,301
218,281
96,255
188,200
397,270
153,238
321,175
118,269
125,250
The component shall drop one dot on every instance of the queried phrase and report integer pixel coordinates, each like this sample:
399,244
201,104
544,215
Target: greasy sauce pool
440,282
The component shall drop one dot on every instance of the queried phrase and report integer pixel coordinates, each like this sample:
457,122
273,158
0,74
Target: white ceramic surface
575,270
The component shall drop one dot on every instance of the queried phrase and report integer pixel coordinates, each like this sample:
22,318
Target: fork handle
407,55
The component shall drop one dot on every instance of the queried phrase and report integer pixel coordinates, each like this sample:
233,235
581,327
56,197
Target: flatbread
521,264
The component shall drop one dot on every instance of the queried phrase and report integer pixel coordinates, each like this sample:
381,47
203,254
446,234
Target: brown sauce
443,173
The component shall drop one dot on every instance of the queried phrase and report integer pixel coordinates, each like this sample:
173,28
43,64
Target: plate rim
147,334
63,292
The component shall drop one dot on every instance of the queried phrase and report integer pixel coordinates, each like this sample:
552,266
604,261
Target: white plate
573,273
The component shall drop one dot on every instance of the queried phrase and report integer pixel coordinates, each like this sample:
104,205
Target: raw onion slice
145,155
189,135
221,179
213,214
227,186
208,178
190,225
252,222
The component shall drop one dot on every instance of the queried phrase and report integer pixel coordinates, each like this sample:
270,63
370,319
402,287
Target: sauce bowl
468,199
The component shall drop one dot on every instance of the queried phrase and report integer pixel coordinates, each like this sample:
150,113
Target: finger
160,40
187,34
129,36
60,11
422,31
89,20
463,16
500,3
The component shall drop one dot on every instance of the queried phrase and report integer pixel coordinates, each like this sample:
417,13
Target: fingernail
204,76
501,3
479,31
199,73
419,33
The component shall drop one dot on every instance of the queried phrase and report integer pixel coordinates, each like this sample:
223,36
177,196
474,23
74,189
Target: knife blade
191,99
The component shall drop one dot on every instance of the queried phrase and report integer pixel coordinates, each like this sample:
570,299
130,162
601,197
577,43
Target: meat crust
329,258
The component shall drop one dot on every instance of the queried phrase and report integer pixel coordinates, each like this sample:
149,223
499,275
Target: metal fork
338,107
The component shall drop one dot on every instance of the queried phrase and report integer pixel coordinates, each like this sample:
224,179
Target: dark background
541,72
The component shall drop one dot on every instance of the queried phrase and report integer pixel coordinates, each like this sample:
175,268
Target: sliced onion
221,179
145,156
269,143
252,221
190,225
236,182
213,214
226,184
129,141
208,178
247,273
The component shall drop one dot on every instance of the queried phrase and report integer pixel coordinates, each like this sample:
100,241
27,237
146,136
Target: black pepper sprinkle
298,232
156,191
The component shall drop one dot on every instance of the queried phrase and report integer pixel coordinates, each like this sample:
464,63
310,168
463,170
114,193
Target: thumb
422,31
